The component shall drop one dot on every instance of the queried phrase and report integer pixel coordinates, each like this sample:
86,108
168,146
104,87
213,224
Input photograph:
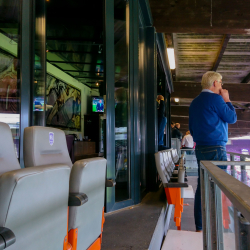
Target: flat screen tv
38,104
97,104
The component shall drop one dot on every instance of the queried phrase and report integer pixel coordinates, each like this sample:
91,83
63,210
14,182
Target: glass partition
225,200
121,40
10,67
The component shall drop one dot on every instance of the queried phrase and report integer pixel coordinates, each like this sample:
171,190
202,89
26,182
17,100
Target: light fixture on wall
176,99
171,58
97,84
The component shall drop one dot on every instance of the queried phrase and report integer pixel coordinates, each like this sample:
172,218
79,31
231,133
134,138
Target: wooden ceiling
207,35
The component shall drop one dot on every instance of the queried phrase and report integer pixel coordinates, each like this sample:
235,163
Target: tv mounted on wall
97,104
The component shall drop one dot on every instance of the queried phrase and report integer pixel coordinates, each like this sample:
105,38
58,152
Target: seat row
172,173
51,204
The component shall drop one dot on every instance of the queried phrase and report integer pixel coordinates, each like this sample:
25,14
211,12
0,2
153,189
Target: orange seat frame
70,241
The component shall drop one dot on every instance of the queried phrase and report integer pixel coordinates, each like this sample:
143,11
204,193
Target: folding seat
173,189
33,202
87,177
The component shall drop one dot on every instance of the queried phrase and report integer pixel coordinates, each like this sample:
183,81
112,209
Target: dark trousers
211,153
162,122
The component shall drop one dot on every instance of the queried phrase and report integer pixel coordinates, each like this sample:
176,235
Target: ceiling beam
221,51
75,62
184,112
246,79
237,92
70,51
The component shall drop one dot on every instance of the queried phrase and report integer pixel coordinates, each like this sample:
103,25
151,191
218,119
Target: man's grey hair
208,79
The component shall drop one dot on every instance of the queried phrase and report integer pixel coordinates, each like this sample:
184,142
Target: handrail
232,163
216,187
237,192
238,154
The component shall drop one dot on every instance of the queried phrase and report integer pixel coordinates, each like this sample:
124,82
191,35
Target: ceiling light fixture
171,58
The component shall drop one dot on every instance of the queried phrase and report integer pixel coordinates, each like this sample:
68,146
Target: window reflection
9,67
122,167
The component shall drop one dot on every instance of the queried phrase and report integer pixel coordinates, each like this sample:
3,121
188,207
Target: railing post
243,170
232,166
203,208
219,219
242,231
212,204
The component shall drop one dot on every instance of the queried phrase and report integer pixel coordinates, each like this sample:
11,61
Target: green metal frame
134,150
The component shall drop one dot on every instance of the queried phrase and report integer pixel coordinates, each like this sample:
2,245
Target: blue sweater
209,116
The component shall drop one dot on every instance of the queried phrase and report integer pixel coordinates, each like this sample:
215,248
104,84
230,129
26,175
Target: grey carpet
133,228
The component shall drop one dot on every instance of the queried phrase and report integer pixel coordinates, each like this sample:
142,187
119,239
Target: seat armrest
110,183
77,199
7,238
175,185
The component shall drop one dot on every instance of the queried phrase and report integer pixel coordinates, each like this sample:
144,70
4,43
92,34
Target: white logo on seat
51,138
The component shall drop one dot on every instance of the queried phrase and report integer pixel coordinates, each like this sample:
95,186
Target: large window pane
122,166
10,67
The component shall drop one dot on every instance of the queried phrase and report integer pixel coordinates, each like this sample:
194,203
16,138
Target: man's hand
225,95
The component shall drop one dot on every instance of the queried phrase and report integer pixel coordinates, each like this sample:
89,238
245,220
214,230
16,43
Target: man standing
162,122
176,133
209,115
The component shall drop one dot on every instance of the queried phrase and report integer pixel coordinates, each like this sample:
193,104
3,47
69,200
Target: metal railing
225,208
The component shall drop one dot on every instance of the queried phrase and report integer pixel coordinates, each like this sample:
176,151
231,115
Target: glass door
122,128
10,67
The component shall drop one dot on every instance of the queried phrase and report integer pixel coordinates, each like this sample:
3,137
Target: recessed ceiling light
171,58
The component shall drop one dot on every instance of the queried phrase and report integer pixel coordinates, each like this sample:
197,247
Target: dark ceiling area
75,39
207,35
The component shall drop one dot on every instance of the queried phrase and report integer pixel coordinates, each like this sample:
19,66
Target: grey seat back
161,167
175,156
88,176
33,201
166,163
8,159
44,145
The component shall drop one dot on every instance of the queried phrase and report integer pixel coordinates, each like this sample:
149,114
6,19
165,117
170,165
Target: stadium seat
87,179
33,201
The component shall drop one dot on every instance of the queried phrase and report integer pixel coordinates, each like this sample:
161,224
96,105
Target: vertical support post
232,166
109,71
203,208
134,95
26,70
152,130
168,115
243,170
